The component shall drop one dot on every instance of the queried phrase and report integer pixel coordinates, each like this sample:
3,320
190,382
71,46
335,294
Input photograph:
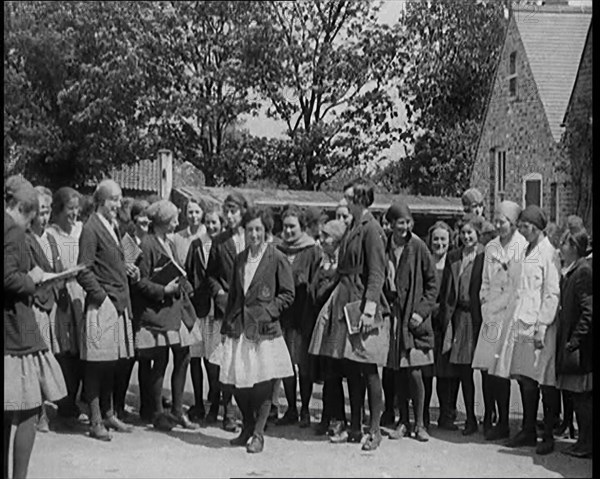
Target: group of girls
254,310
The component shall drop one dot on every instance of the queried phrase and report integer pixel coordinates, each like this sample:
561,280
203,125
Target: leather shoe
98,431
113,422
470,428
212,416
243,438
373,441
447,424
163,423
400,431
304,419
196,414
578,451
497,432
184,421
355,436
229,425
546,446
290,417
421,434
522,439
256,444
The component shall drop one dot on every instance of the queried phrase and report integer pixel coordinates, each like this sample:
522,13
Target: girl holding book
165,314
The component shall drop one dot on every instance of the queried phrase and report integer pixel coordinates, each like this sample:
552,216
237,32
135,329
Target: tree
203,84
446,88
74,88
325,66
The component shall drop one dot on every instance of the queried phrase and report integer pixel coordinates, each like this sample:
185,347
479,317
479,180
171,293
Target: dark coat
196,267
105,274
416,292
575,320
449,289
220,269
158,312
299,316
21,332
46,295
361,276
271,291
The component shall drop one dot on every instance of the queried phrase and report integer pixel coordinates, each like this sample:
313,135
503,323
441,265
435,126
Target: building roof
554,40
141,176
328,200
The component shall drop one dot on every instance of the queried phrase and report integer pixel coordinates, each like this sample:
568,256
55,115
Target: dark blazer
575,320
105,274
196,265
449,289
154,310
21,333
416,292
46,295
299,316
271,291
220,269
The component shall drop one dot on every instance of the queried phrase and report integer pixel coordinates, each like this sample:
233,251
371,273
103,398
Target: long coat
107,330
575,320
256,313
361,273
536,300
196,267
449,295
220,269
499,282
414,290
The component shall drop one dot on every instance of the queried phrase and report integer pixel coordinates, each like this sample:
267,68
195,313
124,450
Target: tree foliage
74,87
324,67
446,86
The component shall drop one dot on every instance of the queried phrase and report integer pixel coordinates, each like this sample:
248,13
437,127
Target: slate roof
554,40
328,200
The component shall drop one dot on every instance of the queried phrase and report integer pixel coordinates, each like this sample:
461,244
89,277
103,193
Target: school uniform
411,287
253,350
163,320
107,329
183,239
31,373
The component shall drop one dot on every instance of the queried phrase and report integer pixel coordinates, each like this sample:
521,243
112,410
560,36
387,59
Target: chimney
165,162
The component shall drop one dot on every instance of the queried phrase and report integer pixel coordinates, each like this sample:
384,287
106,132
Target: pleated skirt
210,332
245,363
31,379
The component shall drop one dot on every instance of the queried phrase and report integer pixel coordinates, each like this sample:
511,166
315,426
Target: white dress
245,363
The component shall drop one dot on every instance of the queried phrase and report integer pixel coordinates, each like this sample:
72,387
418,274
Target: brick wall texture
519,126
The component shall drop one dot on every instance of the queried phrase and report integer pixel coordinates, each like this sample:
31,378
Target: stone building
542,84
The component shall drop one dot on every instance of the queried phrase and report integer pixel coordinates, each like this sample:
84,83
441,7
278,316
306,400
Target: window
512,75
554,202
532,190
500,172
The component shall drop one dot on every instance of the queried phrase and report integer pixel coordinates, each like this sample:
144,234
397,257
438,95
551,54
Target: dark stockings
409,384
25,422
146,390
428,385
489,402
255,404
500,388
467,383
551,401
359,375
181,361
583,404
212,373
156,377
530,397
123,371
72,372
99,379
389,388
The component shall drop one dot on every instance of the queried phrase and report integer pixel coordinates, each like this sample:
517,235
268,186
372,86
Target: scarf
293,247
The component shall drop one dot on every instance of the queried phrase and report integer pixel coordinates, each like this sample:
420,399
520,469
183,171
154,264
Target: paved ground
290,451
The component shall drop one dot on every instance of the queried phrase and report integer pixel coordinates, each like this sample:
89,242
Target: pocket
571,362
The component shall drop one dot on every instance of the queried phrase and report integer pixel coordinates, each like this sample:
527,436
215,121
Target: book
167,273
352,313
131,250
66,274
